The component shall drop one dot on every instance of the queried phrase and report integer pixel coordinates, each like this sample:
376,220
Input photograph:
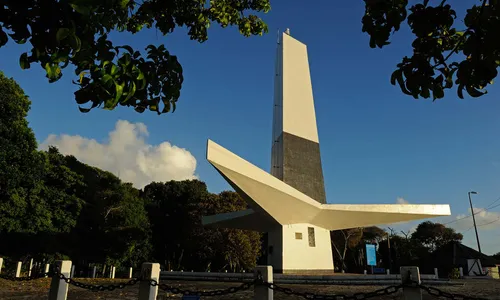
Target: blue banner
371,255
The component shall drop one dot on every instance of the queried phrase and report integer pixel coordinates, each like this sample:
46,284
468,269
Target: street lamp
474,220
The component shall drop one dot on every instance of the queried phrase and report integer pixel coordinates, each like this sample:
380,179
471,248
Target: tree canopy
445,52
410,249
53,206
435,235
21,165
75,32
176,208
63,33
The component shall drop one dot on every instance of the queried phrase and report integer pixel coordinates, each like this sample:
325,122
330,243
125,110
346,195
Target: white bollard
149,271
30,268
47,269
262,292
436,273
410,275
72,271
365,272
59,288
388,272
18,268
94,270
1,264
130,272
461,270
112,272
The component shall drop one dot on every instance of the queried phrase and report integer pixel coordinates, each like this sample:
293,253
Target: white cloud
485,220
127,154
401,200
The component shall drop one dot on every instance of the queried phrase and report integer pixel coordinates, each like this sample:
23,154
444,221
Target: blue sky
377,144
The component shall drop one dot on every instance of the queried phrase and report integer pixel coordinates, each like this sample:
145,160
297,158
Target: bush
454,274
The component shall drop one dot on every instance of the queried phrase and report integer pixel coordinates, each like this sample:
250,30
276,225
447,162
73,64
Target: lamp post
474,220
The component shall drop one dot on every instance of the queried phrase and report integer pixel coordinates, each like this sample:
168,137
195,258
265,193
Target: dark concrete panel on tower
302,166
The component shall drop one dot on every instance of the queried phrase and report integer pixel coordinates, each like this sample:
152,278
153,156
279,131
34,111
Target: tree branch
462,38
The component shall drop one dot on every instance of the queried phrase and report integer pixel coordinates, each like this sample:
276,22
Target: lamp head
473,193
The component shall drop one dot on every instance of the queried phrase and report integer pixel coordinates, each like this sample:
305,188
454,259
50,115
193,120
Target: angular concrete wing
274,202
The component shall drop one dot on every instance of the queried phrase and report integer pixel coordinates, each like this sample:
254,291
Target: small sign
371,255
378,270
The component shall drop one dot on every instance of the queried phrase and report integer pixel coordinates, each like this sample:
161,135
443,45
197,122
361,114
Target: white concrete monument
289,204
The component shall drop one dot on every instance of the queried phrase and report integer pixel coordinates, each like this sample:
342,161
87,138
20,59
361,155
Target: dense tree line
393,249
53,206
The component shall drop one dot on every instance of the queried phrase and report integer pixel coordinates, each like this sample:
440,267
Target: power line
468,229
477,212
491,222
480,225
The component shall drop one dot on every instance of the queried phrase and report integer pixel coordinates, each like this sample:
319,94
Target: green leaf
62,33
81,76
23,61
401,83
460,91
126,47
166,107
114,70
395,75
52,70
119,91
75,43
130,92
107,80
124,3
4,38
81,9
140,109
83,109
473,92
142,80
437,92
425,93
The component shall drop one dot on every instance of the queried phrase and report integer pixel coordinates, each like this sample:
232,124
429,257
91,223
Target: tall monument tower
295,157
296,160
289,203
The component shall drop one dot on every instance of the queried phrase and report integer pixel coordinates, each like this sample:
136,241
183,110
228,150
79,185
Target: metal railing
262,283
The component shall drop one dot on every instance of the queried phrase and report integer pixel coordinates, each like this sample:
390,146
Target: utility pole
389,248
474,220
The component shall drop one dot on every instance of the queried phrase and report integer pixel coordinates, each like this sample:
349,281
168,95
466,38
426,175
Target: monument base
307,272
302,249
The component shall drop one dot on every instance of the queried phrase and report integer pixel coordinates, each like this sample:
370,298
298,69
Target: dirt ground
38,289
